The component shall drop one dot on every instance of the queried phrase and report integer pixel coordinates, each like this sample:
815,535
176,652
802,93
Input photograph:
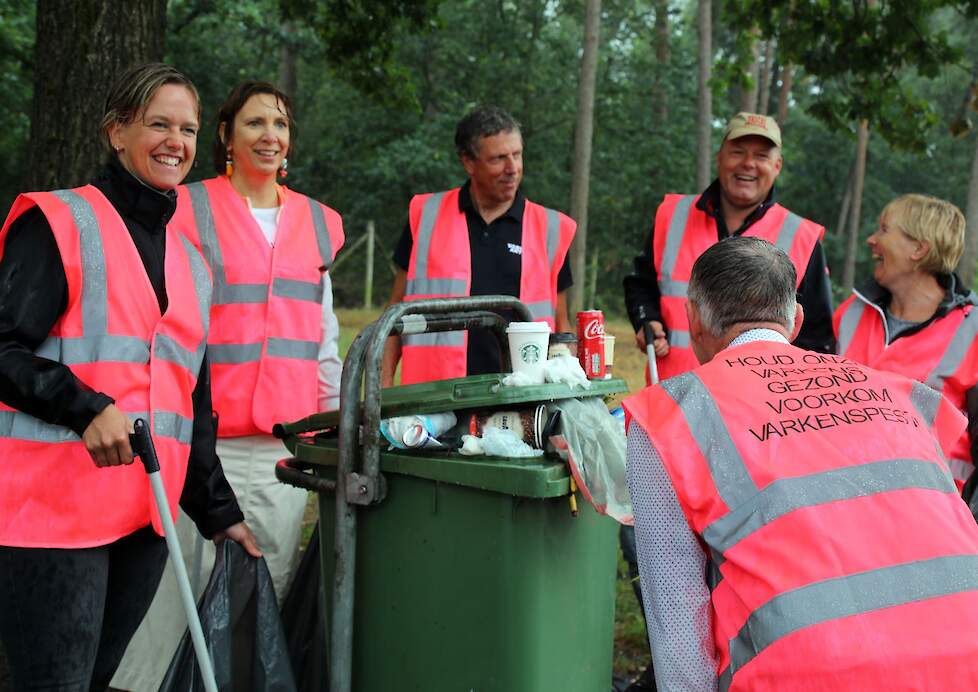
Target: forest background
379,86
621,102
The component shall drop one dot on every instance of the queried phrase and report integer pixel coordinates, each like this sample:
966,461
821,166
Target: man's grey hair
484,121
743,279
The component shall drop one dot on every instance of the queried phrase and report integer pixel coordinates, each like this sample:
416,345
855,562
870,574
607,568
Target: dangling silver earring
283,172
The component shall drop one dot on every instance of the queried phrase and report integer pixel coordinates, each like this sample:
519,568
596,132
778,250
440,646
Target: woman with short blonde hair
914,316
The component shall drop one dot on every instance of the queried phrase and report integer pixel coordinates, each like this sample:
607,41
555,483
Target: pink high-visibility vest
113,338
266,318
841,556
682,234
942,355
440,267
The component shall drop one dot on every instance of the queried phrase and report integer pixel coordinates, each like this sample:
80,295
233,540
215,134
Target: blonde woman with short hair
914,316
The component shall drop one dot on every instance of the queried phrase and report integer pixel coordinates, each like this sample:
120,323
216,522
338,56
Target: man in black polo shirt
504,233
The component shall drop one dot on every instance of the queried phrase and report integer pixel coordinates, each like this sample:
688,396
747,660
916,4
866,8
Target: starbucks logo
530,353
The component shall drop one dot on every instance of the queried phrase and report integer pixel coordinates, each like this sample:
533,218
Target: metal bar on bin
290,472
368,349
340,634
371,405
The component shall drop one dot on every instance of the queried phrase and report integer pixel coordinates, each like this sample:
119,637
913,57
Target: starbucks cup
528,343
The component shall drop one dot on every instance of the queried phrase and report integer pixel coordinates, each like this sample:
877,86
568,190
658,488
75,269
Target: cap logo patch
757,121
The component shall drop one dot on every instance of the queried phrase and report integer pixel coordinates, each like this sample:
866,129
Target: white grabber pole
142,446
650,351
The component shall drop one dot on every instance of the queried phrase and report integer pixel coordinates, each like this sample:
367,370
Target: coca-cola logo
593,329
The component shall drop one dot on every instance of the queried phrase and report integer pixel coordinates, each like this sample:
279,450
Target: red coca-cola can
590,343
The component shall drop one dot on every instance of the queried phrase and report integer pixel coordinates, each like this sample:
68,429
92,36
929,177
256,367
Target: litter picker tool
142,447
650,351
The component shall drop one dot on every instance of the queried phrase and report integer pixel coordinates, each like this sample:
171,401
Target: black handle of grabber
649,335
142,446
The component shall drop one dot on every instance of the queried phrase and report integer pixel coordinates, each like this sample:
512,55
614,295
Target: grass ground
631,647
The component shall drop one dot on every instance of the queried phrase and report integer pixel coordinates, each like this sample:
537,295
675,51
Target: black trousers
67,615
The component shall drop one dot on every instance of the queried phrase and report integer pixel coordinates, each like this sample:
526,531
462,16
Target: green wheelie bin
466,574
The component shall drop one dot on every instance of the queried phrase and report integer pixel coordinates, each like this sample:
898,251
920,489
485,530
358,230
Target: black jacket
814,293
34,295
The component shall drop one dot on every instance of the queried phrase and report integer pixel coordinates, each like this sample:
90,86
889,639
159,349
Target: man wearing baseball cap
740,201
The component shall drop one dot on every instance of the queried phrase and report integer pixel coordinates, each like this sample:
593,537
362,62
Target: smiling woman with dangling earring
273,343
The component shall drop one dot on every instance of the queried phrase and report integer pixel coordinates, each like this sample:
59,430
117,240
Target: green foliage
16,88
359,39
858,52
379,93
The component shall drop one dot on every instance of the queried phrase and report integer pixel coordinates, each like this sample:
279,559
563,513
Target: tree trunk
704,115
660,103
287,74
840,226
83,47
583,132
748,94
852,237
784,93
767,72
966,267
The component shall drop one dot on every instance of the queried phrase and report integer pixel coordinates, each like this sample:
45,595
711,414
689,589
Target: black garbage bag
242,628
303,618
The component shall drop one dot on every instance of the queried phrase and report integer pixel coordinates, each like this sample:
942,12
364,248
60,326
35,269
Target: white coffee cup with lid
528,342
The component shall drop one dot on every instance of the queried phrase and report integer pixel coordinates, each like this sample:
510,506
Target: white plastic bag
592,442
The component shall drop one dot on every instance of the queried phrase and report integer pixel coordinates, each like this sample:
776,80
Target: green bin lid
538,477
534,477
478,391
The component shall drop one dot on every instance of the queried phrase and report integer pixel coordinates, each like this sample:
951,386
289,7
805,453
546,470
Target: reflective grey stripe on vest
169,350
224,293
203,282
541,310
959,345
673,289
848,323
203,289
292,348
173,425
227,294
434,339
434,287
233,353
854,594
322,232
788,494
960,470
553,234
926,401
94,296
93,349
674,239
733,482
298,290
678,338
22,426
426,229
788,231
